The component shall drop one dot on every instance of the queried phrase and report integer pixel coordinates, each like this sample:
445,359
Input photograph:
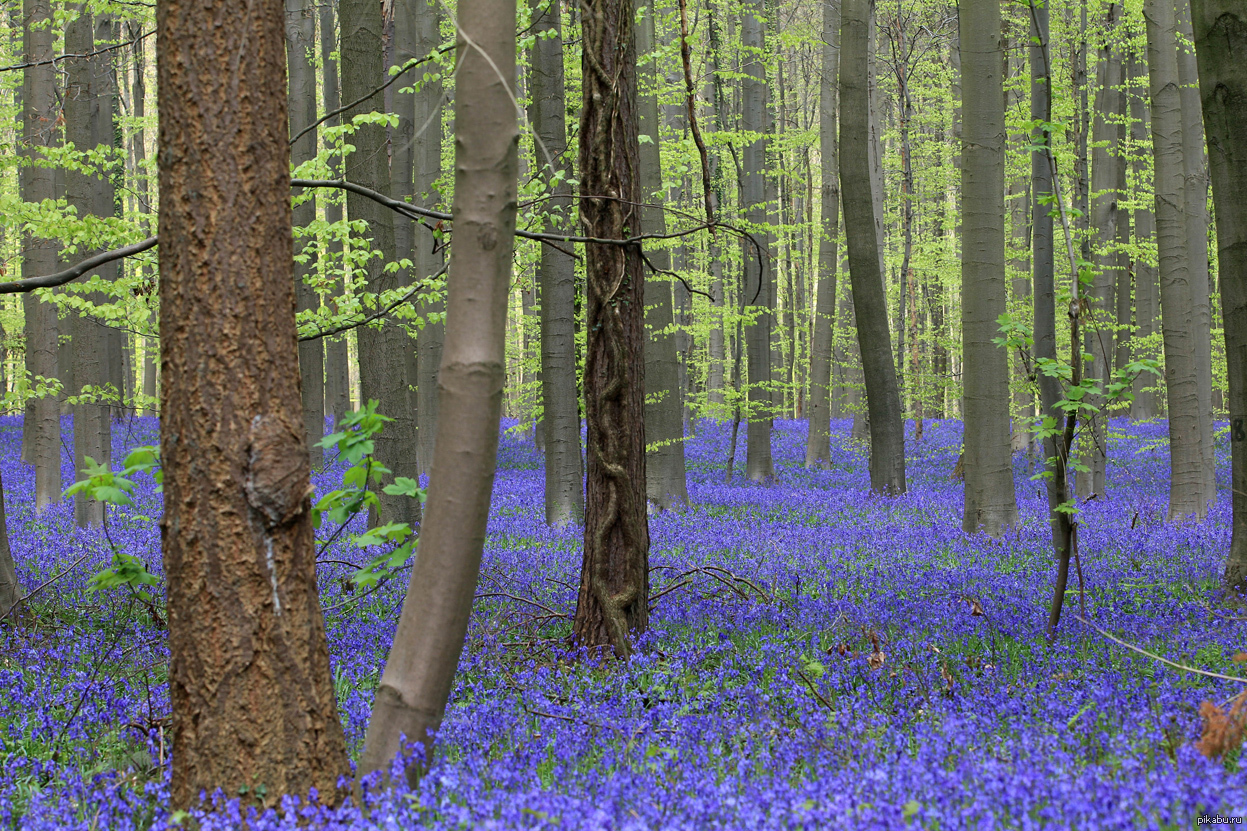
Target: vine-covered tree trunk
664,406
1187,492
759,266
990,504
818,443
249,680
383,370
300,49
1220,32
420,669
337,354
547,110
42,447
614,577
863,233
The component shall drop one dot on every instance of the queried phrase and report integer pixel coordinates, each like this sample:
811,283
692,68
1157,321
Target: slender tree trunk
249,679
383,370
10,587
39,256
716,345
547,111
664,405
83,113
300,49
1220,33
990,504
1098,336
1187,494
420,669
818,444
863,231
1147,403
337,352
107,136
614,577
138,96
759,271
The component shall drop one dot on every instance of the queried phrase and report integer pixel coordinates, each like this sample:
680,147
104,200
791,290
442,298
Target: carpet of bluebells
819,658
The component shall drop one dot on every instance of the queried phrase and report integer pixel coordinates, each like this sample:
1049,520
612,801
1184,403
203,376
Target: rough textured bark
664,418
420,669
249,681
1187,493
39,256
1148,399
613,600
990,503
300,47
863,232
547,111
337,353
1098,340
84,130
383,370
1220,32
818,442
759,270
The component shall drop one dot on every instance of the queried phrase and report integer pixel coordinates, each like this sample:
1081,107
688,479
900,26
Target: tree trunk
39,256
547,111
759,267
300,48
1098,340
420,669
104,193
1220,33
818,443
990,504
84,129
337,352
10,588
664,405
614,577
138,96
249,678
864,234
1147,403
1187,493
383,371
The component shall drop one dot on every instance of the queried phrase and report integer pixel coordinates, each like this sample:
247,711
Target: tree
990,503
249,681
420,669
1147,402
10,588
337,356
818,443
613,598
1220,33
39,256
664,406
863,233
1188,494
556,274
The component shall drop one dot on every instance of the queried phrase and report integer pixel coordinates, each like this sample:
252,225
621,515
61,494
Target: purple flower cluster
827,659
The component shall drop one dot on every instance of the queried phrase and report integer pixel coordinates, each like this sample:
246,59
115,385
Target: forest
623,414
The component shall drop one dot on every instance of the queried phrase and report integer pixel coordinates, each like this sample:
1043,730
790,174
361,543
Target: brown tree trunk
614,577
249,681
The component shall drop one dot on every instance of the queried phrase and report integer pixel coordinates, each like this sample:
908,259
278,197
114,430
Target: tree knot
277,471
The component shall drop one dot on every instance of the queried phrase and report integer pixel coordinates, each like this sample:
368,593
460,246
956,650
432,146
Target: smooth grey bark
84,129
556,273
1098,337
1220,34
716,346
990,503
39,256
822,338
138,98
337,352
1148,396
1195,193
383,374
106,134
420,669
863,231
301,81
759,272
665,484
1187,493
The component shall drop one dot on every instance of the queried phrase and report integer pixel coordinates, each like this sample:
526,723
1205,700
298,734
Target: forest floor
829,659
